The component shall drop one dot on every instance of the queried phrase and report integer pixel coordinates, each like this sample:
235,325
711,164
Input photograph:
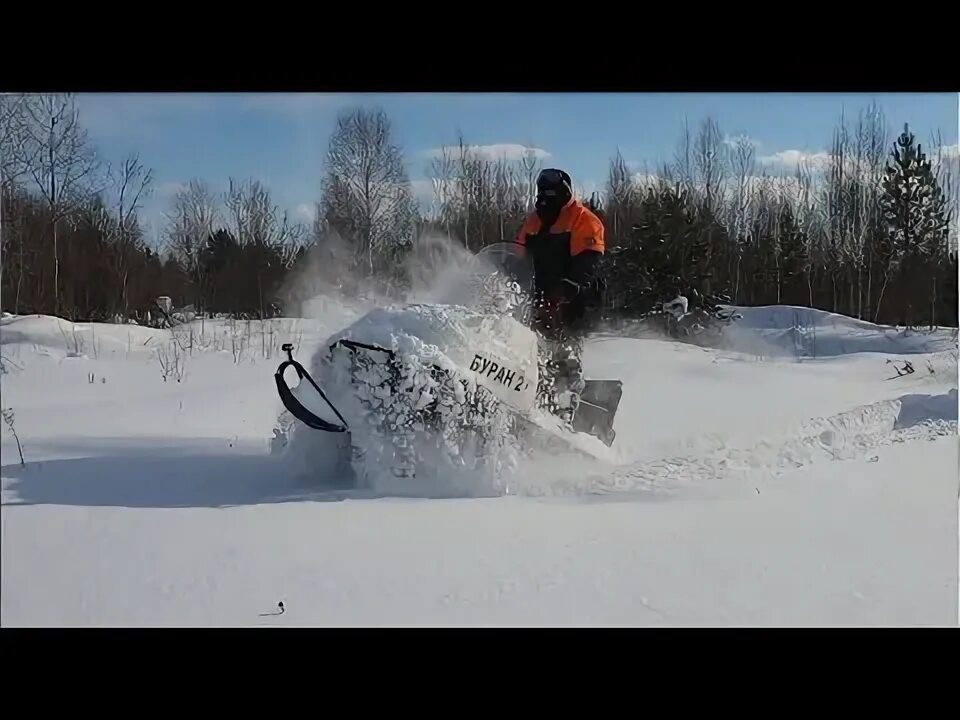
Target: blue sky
280,139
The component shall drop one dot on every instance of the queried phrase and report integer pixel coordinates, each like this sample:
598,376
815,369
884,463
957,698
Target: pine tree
914,217
913,205
671,250
794,258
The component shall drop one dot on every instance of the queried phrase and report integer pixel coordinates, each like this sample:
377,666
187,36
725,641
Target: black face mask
552,194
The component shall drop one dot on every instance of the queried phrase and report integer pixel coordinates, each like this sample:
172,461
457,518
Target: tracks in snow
845,436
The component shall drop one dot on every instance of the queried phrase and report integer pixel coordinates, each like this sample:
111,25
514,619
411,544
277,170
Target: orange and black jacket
566,251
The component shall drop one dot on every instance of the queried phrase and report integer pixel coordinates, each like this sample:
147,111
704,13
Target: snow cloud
305,212
497,151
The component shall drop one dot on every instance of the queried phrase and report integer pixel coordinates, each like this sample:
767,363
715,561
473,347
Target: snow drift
800,332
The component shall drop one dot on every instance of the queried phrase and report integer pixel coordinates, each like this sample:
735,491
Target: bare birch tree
191,224
258,223
743,161
530,166
13,156
870,142
257,219
367,197
12,168
946,164
442,173
683,162
710,163
622,196
129,183
59,160
467,191
836,209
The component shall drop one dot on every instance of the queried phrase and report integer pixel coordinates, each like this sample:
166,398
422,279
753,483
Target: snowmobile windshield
509,260
498,279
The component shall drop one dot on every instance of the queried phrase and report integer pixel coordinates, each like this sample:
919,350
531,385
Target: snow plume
393,401
438,269
326,272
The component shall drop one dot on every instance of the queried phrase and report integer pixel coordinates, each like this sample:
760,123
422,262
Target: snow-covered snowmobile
423,388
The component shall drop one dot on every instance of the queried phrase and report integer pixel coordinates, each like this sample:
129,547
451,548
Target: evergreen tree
915,220
794,259
913,205
670,251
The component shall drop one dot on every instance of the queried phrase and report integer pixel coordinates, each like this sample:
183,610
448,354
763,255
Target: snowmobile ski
297,408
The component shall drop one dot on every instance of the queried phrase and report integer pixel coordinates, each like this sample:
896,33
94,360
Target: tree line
861,230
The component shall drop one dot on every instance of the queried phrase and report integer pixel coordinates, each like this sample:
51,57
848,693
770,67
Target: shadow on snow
170,476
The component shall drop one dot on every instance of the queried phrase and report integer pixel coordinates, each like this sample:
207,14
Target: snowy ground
790,483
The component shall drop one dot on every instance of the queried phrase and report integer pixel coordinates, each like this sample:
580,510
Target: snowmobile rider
565,241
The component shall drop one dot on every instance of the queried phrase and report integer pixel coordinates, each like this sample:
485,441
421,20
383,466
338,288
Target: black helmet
552,182
554,190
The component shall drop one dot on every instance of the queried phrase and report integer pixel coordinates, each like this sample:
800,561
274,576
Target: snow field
782,490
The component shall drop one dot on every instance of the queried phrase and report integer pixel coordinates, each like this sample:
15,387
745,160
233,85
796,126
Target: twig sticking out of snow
8,419
73,342
171,363
271,614
907,369
269,341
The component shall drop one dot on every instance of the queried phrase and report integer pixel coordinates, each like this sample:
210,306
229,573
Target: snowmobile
422,388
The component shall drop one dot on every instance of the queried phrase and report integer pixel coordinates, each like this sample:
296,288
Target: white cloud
794,158
819,161
733,140
646,179
947,152
496,151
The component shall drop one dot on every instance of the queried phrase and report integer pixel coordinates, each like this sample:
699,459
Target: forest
867,229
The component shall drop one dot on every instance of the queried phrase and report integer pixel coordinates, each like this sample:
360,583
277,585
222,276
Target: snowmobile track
845,436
